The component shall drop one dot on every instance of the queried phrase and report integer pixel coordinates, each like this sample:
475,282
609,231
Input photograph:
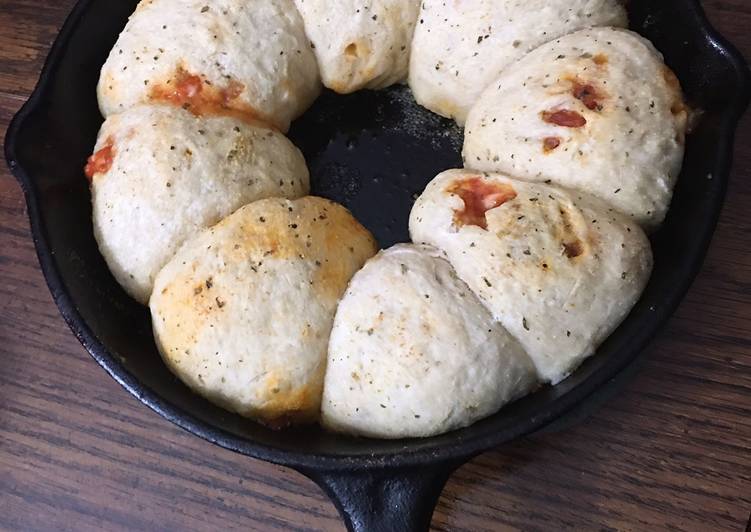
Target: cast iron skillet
372,152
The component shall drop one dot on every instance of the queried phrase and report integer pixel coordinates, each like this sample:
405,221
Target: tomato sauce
101,161
564,117
184,90
587,95
233,91
479,197
550,143
191,92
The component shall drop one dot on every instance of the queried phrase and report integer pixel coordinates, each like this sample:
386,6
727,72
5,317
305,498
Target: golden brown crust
679,108
243,312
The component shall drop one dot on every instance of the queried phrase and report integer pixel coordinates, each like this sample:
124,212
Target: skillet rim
459,448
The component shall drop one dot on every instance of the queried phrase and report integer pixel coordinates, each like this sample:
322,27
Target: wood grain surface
77,452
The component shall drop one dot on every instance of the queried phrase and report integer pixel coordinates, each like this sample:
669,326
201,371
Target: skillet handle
385,500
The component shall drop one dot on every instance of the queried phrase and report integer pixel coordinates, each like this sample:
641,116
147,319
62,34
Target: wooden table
77,452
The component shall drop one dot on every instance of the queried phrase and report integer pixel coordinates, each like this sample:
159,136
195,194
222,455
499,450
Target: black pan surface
373,152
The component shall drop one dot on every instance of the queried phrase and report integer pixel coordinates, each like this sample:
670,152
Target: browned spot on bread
677,106
327,244
550,143
101,161
572,244
588,95
351,50
284,406
564,118
445,107
191,92
479,197
573,249
600,59
670,78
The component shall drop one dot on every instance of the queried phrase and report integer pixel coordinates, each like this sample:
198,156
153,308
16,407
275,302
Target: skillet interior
373,162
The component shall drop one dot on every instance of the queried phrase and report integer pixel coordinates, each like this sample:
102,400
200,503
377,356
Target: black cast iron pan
373,152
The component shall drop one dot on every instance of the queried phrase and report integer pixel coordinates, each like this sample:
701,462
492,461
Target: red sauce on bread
191,92
550,143
587,95
564,117
101,161
479,197
187,89
233,91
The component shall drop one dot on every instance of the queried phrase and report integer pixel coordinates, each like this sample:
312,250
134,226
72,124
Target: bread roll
360,43
558,269
597,111
247,58
414,353
242,314
160,174
460,47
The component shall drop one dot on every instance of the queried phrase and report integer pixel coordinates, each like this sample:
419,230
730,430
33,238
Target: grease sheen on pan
360,43
558,268
460,47
242,314
161,174
242,57
597,111
414,353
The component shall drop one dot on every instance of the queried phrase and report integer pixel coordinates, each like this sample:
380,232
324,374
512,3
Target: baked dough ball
597,111
460,47
242,314
360,43
240,57
161,174
414,353
559,269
